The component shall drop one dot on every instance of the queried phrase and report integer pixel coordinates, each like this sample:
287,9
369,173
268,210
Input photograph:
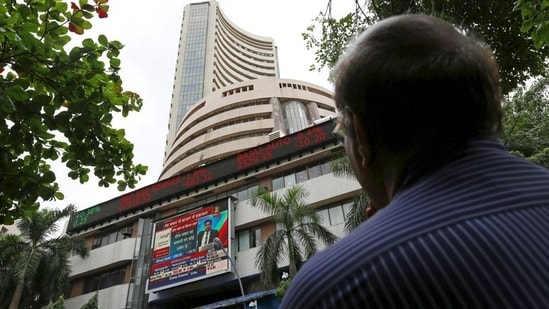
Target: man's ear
363,147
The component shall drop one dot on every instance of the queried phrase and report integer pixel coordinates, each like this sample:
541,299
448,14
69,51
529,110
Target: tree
57,105
526,122
535,14
498,23
298,232
35,266
341,167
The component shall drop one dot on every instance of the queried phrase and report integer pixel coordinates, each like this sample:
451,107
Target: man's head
208,224
413,84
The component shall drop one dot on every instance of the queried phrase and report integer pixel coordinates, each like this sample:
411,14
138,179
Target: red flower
102,13
1,70
74,6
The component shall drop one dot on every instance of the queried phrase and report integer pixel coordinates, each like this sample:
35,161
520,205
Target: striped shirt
474,234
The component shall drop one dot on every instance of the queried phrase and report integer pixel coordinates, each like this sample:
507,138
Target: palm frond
357,214
340,165
269,255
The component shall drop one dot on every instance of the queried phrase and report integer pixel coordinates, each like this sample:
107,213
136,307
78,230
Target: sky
150,31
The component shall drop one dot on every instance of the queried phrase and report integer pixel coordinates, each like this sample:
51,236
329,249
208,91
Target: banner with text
191,246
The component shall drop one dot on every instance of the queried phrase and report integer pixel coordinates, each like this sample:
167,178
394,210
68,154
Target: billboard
191,246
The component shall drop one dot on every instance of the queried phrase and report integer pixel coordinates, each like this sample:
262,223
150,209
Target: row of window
308,172
104,280
330,216
111,236
241,193
335,215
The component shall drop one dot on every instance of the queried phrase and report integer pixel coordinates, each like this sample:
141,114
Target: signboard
191,246
306,139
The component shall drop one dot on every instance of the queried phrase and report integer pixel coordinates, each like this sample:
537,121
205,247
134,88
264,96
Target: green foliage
341,167
92,303
526,122
535,15
298,231
282,288
495,22
58,304
58,105
34,264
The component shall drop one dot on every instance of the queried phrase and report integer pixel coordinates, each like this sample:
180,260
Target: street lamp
219,244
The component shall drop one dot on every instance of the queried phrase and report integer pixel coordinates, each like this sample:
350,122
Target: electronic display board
300,141
184,248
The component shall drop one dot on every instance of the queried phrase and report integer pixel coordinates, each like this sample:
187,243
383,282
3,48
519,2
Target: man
207,235
460,222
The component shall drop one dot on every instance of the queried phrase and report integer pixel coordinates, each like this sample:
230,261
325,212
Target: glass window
295,116
278,183
324,217
301,176
255,234
315,171
336,215
347,208
289,180
325,167
105,239
242,194
243,240
252,190
96,242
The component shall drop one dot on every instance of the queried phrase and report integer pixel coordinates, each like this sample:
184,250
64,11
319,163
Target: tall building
235,126
214,53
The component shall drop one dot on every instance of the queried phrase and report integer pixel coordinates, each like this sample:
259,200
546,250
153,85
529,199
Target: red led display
247,160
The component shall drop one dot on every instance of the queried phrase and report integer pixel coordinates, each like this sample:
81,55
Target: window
109,237
313,170
246,192
301,176
250,238
278,183
289,180
335,214
324,217
104,280
295,116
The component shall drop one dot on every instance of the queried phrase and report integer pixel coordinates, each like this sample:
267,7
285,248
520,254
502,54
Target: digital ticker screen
172,187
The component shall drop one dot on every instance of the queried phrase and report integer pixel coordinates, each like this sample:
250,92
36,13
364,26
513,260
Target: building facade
247,129
214,53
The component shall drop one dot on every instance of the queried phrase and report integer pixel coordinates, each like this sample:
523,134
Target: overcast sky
150,32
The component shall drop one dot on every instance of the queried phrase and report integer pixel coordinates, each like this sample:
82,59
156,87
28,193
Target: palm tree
342,168
298,232
34,264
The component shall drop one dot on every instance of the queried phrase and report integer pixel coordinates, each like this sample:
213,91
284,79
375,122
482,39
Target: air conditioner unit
276,134
126,231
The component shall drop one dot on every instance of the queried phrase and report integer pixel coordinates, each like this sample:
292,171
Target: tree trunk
16,298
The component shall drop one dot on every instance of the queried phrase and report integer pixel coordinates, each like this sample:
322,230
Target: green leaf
17,93
102,39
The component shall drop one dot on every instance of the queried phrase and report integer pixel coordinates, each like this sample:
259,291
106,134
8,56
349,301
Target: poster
191,246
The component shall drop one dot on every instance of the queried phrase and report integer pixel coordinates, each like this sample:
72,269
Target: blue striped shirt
474,234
